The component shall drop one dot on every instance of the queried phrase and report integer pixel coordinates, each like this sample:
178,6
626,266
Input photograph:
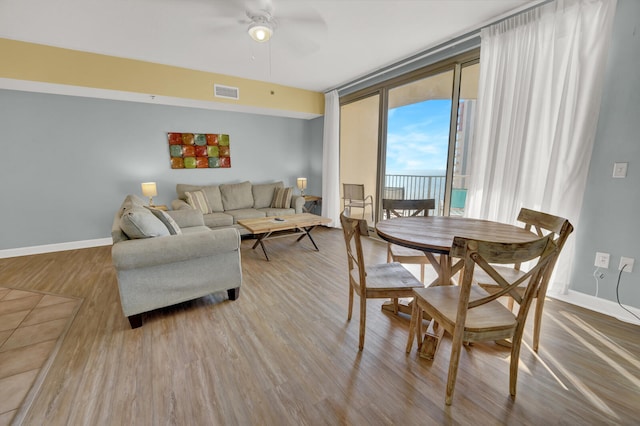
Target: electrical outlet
626,261
602,260
620,170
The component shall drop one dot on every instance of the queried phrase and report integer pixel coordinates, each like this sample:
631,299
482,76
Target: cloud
418,137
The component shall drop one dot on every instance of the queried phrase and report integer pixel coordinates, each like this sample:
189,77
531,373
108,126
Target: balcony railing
409,187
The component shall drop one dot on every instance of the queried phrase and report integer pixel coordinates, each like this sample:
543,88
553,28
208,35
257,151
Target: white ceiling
317,45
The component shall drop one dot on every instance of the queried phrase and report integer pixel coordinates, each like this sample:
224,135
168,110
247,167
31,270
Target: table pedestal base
403,305
431,341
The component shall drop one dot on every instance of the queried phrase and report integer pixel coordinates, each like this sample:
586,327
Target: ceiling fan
293,23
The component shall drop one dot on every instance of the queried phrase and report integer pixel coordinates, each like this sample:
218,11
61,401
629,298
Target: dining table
433,235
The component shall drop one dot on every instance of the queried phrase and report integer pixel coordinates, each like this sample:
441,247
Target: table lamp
149,190
302,184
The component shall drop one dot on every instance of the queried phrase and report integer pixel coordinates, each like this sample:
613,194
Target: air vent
227,92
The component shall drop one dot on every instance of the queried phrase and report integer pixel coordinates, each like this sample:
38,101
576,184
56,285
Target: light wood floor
284,354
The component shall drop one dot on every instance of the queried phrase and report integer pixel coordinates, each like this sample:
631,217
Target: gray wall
609,219
316,132
66,163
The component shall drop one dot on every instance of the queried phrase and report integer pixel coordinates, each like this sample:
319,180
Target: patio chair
353,196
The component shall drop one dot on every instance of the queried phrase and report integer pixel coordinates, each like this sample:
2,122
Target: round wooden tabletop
435,233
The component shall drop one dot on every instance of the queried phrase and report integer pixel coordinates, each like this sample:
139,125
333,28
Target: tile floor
31,326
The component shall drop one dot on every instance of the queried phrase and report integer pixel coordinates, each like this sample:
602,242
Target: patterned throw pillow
198,201
167,220
282,198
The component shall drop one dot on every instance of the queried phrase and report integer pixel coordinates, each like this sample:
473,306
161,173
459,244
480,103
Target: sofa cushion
263,194
198,201
138,222
214,198
214,220
195,229
167,220
282,198
212,192
186,218
245,214
183,188
236,196
273,212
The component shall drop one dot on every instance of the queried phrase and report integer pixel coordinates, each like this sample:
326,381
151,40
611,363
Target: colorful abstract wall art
199,151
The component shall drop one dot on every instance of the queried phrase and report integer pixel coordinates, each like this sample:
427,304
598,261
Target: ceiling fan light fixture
260,32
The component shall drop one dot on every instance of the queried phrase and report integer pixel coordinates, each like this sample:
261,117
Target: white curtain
331,158
541,76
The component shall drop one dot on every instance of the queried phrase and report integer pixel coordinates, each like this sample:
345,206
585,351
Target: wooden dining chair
541,224
353,196
386,280
469,313
401,208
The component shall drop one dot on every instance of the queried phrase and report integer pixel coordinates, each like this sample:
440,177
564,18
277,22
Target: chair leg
350,303
422,273
510,303
363,320
515,359
418,329
537,322
412,326
456,348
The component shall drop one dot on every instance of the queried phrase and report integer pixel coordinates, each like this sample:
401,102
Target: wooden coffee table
267,228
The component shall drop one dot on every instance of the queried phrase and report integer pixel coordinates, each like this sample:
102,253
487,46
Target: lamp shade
302,183
149,189
260,32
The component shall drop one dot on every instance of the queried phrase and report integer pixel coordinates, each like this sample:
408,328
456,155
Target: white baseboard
597,304
49,248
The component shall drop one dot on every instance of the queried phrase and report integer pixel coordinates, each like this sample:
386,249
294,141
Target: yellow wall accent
36,62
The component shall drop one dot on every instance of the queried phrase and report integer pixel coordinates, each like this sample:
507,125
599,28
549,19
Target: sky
418,138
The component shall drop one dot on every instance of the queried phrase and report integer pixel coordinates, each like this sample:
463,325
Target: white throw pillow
138,222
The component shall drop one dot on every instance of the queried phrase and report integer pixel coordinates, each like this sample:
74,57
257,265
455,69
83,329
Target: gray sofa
229,203
164,258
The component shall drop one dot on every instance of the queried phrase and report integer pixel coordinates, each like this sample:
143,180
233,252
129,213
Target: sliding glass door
422,124
417,146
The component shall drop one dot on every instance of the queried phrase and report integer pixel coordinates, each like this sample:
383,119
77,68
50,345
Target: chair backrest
399,208
353,230
393,193
485,254
542,224
353,191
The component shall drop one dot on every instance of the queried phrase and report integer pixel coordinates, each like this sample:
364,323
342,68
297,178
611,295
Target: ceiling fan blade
259,5
298,42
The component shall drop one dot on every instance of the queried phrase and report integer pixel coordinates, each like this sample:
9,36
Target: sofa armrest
142,253
186,218
297,203
180,205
